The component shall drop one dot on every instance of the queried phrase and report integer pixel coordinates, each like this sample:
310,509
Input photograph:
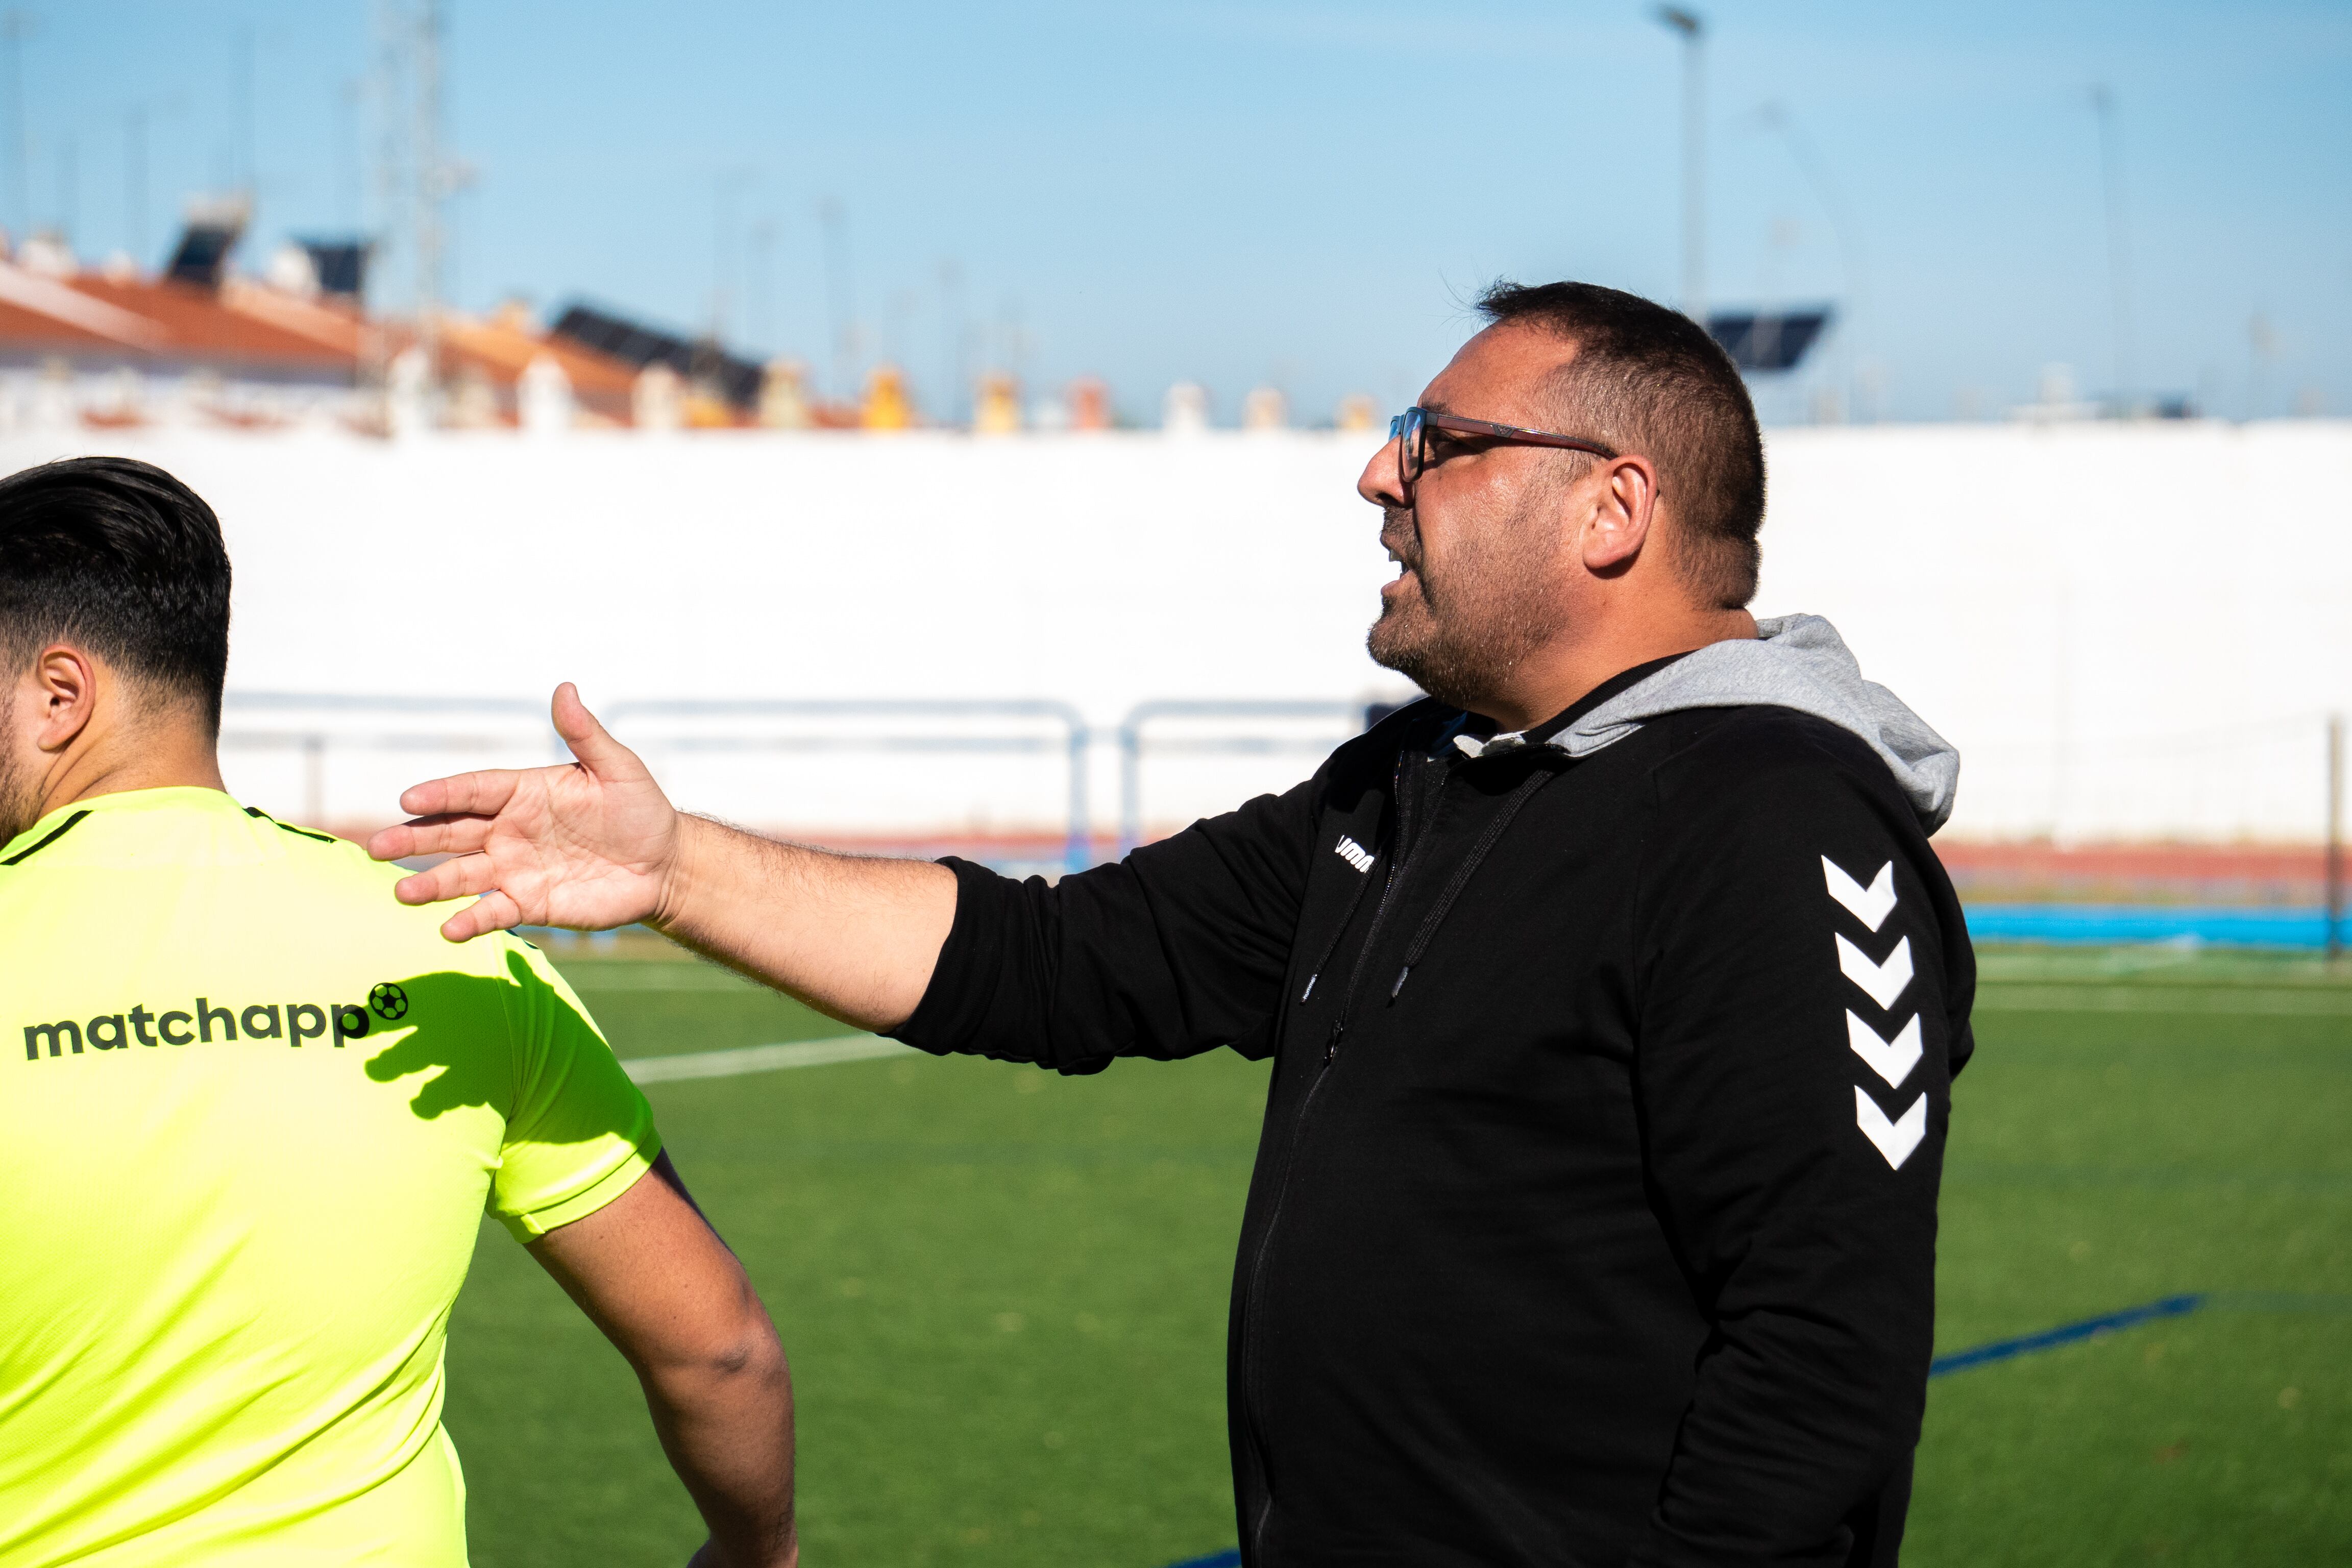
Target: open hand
587,846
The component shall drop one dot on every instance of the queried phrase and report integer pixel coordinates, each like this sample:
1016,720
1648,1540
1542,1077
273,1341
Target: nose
1377,483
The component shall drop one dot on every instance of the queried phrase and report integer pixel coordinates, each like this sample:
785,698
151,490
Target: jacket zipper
1398,865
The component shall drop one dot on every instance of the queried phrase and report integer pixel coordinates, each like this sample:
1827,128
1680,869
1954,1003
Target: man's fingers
430,835
494,911
589,740
487,792
453,879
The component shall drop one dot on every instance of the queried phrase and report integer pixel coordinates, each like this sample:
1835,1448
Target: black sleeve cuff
955,1006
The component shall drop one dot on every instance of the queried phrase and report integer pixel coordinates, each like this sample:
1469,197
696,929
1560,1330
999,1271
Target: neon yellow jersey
256,1110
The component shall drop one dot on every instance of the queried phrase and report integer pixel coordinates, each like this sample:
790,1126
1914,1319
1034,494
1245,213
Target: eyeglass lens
1408,455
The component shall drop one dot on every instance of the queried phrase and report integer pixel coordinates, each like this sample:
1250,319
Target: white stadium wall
2131,631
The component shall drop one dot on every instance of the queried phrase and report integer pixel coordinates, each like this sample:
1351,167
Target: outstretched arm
595,844
664,1289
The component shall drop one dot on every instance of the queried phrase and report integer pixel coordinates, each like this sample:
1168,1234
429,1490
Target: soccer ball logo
390,1002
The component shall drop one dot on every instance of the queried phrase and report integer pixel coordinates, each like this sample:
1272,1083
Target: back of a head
121,557
1649,380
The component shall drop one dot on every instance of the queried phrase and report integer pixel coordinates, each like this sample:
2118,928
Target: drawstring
1518,798
1364,886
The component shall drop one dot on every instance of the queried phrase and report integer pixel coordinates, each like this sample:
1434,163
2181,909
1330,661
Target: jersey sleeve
580,1132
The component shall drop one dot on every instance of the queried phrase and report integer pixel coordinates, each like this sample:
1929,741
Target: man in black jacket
1613,994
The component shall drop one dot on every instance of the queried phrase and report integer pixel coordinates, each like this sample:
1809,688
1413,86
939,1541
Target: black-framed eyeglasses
1410,430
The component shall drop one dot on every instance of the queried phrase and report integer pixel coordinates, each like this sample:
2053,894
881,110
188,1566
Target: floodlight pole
432,188
838,303
1692,31
16,26
2335,941
2111,169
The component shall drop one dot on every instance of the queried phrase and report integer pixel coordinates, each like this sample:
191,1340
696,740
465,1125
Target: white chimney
658,402
1265,409
408,393
543,397
1185,410
291,271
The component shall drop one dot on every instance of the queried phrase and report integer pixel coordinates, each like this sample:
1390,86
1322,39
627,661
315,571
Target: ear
65,691
1624,503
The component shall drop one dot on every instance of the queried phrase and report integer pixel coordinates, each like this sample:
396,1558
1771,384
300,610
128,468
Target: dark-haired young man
1613,996
259,1111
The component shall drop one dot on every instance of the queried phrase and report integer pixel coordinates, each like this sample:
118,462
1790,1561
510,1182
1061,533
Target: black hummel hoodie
1594,1216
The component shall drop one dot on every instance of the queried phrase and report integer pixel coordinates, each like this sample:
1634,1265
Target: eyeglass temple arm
1516,433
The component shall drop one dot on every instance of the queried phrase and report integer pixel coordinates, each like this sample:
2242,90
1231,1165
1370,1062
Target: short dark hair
1649,380
120,555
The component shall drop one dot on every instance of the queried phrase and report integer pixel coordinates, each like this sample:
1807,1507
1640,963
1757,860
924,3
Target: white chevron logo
1869,905
1895,1138
1890,1059
1882,982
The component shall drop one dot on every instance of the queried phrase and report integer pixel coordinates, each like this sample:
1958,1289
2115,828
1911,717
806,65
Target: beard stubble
18,804
1459,635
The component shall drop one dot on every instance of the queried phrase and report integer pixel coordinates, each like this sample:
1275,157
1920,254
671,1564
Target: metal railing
911,725
1132,741
635,719
1077,851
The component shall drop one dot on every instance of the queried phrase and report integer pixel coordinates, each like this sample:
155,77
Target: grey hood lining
1793,661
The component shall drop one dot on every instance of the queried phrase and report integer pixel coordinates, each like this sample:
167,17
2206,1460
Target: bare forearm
855,937
728,1430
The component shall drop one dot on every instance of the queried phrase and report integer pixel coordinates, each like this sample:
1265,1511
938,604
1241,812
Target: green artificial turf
1004,1292
2102,1159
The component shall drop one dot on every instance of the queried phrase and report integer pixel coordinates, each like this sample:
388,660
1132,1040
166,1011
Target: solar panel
1768,341
203,253
340,265
634,343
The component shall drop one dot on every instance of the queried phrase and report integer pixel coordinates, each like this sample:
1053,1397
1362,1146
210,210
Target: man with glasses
1613,994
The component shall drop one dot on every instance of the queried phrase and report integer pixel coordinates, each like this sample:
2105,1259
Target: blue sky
1298,193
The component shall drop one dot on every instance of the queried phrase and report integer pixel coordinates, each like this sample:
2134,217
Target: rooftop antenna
432,186
135,181
248,156
953,368
348,100
722,248
759,301
836,291
16,24
1816,172
1692,31
2111,168
69,188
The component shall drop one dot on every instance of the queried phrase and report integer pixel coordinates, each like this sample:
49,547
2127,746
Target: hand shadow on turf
492,1038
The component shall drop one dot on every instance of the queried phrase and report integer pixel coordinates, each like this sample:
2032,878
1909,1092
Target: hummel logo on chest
1353,853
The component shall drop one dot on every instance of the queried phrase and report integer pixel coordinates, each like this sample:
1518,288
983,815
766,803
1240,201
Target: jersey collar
167,797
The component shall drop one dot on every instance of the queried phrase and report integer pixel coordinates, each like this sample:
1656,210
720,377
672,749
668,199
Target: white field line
2329,1002
760,1058
2000,998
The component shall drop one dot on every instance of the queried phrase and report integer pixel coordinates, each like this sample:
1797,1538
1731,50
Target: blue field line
2126,924
1228,1558
2064,1334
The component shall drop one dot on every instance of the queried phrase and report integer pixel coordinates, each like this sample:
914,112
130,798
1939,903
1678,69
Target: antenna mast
432,188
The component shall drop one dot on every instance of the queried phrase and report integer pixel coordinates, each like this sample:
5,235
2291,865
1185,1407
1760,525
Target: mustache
1399,537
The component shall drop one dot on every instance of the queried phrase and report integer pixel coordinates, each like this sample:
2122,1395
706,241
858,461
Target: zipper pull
1331,1046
